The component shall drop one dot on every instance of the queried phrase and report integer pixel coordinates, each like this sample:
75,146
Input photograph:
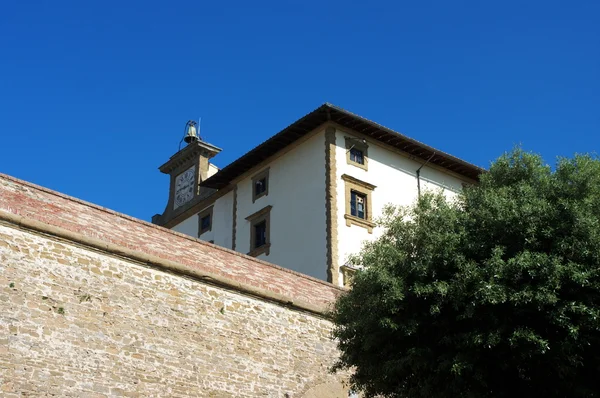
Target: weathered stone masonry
95,303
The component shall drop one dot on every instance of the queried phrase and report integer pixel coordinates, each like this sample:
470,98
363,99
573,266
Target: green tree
495,294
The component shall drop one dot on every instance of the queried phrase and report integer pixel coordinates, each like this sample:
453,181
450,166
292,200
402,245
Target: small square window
205,220
260,185
356,155
357,152
205,223
348,275
358,205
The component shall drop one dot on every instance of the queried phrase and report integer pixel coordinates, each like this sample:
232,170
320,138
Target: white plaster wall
212,169
394,175
222,221
189,226
297,194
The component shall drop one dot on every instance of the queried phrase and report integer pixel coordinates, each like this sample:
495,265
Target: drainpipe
419,175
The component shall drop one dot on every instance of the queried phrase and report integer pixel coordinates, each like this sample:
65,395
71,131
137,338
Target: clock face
184,187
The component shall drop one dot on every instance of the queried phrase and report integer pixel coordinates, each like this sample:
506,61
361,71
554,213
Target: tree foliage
495,294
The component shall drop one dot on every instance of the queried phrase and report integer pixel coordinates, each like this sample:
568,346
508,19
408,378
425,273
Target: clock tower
187,168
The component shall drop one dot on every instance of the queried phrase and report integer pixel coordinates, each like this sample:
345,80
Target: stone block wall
97,304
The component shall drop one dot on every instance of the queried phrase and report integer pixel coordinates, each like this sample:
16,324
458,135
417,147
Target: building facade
307,198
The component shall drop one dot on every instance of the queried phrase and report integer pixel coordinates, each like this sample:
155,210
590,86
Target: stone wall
94,303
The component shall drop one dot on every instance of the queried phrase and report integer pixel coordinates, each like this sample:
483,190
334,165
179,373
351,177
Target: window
358,203
260,185
260,232
357,152
205,223
356,155
205,220
348,272
348,275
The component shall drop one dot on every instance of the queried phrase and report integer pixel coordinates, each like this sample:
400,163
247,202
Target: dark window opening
356,155
260,234
205,223
260,186
358,205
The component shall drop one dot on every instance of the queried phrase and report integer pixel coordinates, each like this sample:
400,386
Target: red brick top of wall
50,207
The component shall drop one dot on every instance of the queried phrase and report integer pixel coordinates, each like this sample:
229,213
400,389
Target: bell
191,135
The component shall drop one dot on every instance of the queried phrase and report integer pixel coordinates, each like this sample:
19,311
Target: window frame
347,275
349,271
263,214
355,195
256,225
264,174
354,151
206,212
362,188
357,143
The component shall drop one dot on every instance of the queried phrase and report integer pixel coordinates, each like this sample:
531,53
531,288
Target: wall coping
36,208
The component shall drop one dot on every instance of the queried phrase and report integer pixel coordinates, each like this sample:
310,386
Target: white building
306,198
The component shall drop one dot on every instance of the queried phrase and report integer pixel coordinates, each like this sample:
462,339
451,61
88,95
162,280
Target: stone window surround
263,214
361,145
366,189
348,272
259,176
206,212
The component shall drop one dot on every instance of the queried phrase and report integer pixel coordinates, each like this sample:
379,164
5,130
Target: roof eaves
406,138
350,120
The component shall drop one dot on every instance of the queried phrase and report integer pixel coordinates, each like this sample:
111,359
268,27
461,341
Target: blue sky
94,95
